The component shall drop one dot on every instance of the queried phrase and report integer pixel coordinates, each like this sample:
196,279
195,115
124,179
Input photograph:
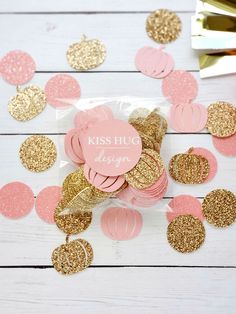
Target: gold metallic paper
210,31
225,7
217,64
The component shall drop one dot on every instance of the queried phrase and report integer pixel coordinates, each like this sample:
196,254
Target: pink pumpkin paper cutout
184,205
211,160
16,200
121,223
62,90
88,118
17,67
46,202
188,117
72,146
225,145
103,183
154,62
179,87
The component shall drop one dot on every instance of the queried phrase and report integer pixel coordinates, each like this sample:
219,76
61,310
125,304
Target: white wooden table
143,275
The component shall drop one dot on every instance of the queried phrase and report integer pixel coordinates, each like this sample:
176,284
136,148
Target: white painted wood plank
94,5
47,37
30,241
108,85
172,144
122,290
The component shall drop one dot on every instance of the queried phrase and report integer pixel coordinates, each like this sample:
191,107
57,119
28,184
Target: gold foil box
224,7
213,31
217,64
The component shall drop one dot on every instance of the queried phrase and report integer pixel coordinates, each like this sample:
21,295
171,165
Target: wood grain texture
123,35
30,241
164,290
94,6
107,85
45,29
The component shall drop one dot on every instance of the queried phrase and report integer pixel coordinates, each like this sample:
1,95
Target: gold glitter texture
38,153
219,208
72,257
27,103
147,171
186,233
71,223
86,54
163,26
221,119
150,125
189,168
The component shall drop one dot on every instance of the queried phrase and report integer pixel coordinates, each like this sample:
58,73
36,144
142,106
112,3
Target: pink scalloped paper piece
188,117
211,160
73,147
62,90
16,200
183,205
47,201
88,118
103,183
17,67
145,197
154,62
225,145
121,223
179,87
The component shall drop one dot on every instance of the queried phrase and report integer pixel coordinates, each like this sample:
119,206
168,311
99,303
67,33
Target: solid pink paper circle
188,117
211,160
225,145
154,62
179,87
17,67
111,147
62,90
121,223
184,205
16,200
47,201
88,118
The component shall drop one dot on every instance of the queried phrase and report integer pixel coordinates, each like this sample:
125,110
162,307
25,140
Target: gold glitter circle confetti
38,153
221,120
219,208
163,26
86,54
27,103
189,168
186,233
71,223
147,171
72,257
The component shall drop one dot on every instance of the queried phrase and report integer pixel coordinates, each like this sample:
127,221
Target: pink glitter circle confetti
183,205
211,160
121,223
16,200
62,90
17,67
47,201
179,87
73,147
225,145
188,117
